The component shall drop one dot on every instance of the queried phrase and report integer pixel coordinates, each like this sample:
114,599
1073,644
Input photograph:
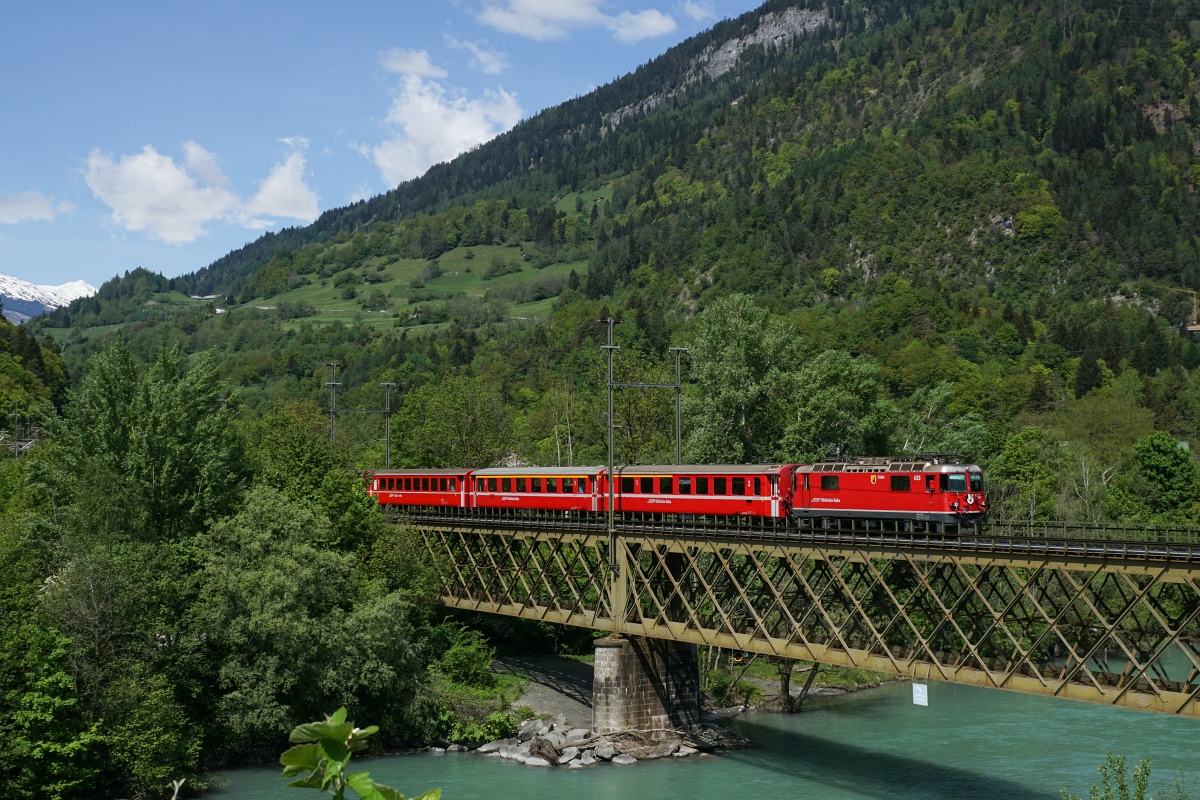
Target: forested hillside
896,227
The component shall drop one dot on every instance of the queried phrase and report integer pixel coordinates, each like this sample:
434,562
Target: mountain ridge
24,300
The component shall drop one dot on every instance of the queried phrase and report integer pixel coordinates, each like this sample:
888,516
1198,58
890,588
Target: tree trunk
812,676
785,689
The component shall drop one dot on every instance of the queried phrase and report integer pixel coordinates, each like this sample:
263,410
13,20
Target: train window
829,483
647,485
535,484
452,485
758,486
701,485
944,482
551,484
976,482
739,485
584,483
901,483
685,485
626,485
506,484
958,481
442,484
718,486
520,484
568,485
491,484
424,484
664,486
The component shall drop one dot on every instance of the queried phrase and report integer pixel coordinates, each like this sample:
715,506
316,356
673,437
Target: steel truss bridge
1104,615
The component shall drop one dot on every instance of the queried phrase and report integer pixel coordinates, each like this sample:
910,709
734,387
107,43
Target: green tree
456,422
739,357
145,455
1025,476
837,409
291,630
1169,472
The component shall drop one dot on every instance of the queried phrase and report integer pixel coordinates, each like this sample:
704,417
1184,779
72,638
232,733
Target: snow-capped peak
50,296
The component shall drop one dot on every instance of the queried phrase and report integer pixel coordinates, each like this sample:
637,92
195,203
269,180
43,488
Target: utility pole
678,412
332,384
16,418
612,528
387,424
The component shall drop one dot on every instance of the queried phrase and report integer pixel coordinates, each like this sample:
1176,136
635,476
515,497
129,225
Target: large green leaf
301,757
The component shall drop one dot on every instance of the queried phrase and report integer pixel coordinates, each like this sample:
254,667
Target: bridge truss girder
1117,632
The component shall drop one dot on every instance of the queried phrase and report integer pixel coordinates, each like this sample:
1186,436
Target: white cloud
552,19
27,206
148,192
699,11
284,193
483,58
432,126
629,27
411,62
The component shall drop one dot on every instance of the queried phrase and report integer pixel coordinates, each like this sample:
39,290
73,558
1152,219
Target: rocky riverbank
541,743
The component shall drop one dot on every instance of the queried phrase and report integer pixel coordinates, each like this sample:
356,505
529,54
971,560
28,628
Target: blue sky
164,135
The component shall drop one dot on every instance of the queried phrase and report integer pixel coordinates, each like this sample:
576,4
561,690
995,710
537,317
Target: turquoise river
968,743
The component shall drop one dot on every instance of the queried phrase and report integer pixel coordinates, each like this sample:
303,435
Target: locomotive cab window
685,485
647,485
976,482
829,483
957,481
665,486
901,483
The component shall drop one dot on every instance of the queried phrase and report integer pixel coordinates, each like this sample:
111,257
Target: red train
935,494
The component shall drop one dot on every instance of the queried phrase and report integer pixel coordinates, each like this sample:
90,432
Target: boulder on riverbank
580,748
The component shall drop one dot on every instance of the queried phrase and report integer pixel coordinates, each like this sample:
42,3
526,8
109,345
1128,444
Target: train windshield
958,481
976,482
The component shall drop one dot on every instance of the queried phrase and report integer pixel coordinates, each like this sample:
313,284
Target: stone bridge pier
645,684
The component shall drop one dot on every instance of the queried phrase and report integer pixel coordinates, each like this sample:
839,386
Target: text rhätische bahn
901,494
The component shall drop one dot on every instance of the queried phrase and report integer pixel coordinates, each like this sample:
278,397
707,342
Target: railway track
1152,544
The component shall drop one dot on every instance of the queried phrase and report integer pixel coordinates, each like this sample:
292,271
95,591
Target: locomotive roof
890,465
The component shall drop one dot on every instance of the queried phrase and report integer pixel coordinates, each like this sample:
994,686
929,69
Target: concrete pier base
645,684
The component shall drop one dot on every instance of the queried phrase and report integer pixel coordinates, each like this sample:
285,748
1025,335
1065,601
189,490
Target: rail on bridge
1105,615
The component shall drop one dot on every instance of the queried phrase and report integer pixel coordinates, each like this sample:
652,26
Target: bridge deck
1101,619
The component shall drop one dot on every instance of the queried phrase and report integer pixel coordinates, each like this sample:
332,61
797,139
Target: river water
968,743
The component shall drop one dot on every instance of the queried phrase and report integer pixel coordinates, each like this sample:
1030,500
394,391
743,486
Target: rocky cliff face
775,30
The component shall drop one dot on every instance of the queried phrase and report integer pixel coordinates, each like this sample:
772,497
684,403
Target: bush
294,310
469,661
498,267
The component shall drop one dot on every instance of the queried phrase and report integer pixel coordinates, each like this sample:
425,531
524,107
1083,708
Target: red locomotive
934,494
